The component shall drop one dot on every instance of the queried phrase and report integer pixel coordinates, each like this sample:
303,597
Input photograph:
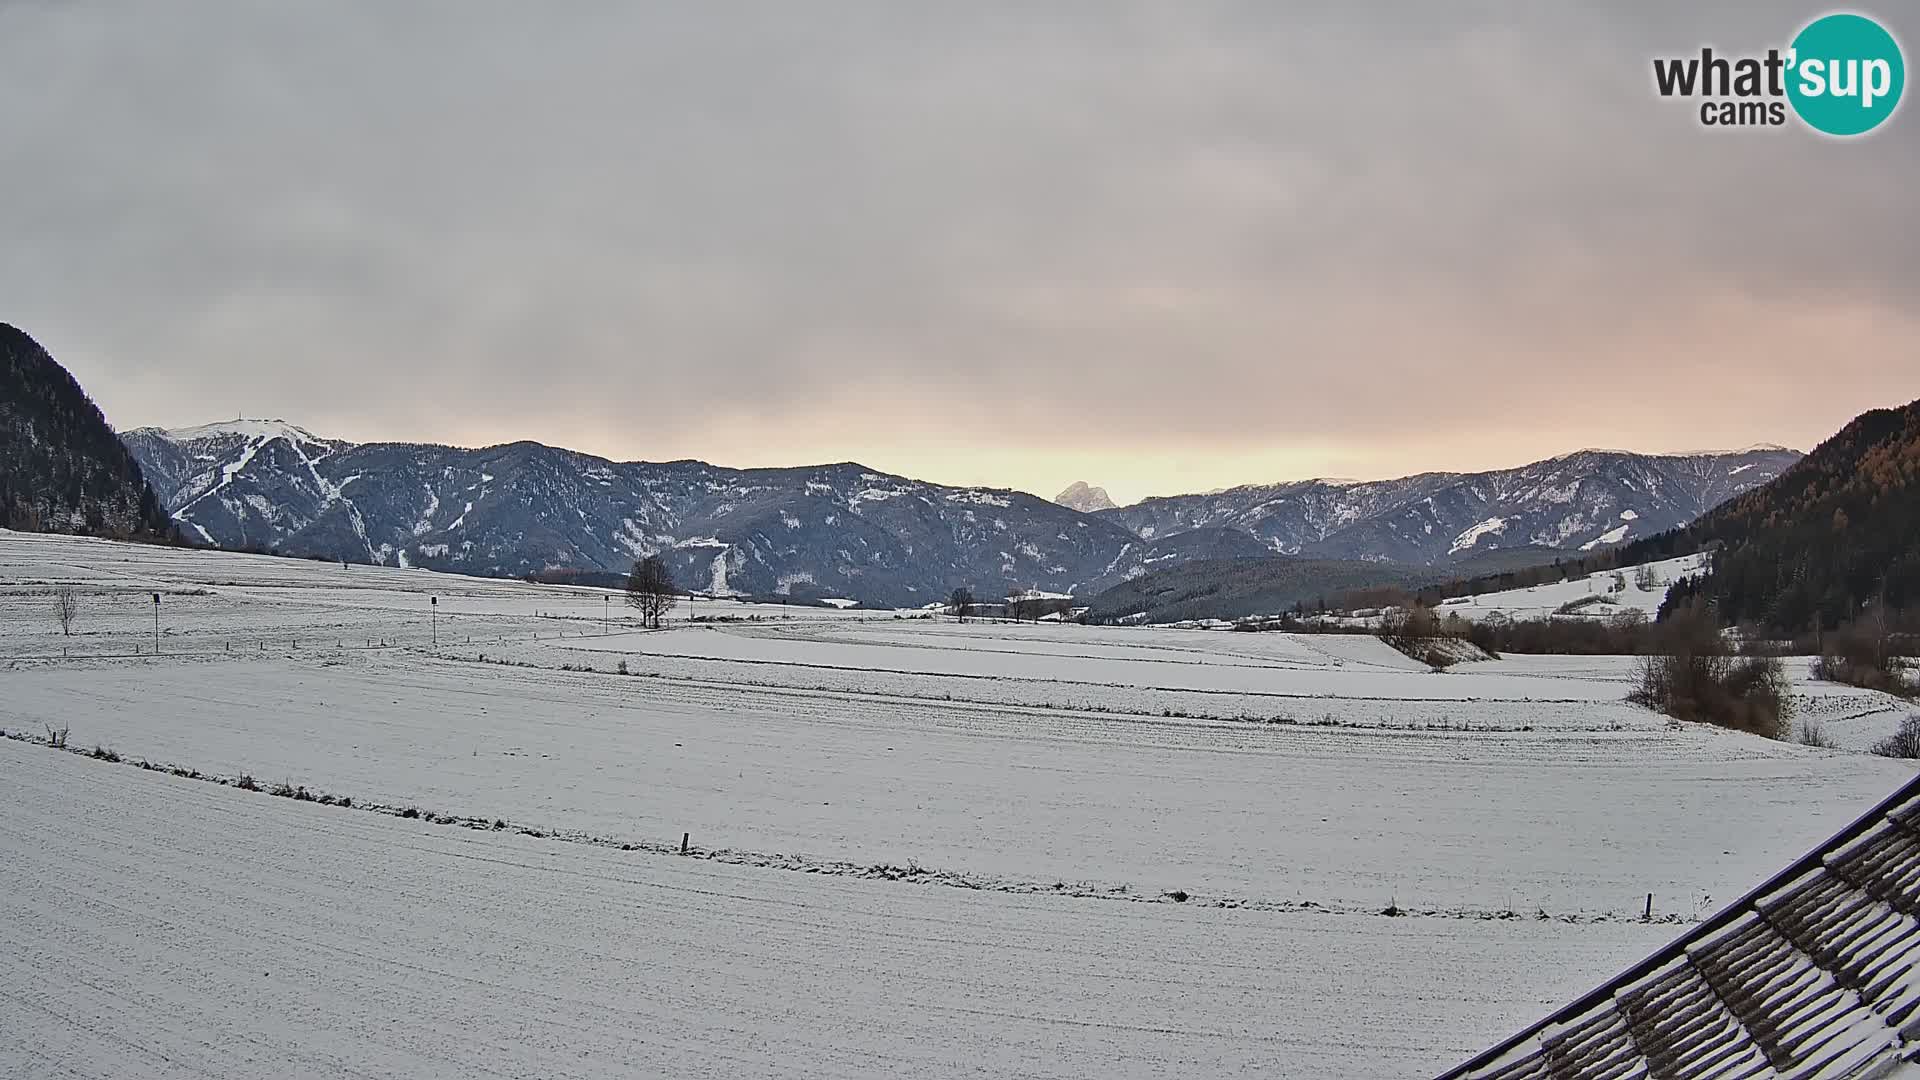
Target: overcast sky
1161,247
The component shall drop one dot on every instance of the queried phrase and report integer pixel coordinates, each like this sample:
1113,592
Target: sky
1161,247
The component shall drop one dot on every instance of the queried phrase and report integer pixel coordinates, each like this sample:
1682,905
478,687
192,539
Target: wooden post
684,837
1649,915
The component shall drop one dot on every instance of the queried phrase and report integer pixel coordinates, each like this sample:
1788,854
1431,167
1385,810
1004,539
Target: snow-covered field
916,847
160,928
219,602
1604,595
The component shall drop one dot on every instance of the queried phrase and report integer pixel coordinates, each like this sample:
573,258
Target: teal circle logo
1845,74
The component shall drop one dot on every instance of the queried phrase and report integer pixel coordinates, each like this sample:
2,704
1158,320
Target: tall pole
156,624
606,614
433,604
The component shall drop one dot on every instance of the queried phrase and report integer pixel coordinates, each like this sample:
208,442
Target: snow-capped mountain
1079,496
1582,500
195,471
846,531
828,531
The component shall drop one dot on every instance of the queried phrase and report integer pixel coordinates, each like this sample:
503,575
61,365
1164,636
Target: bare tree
959,602
650,590
1646,578
66,606
1875,619
1903,743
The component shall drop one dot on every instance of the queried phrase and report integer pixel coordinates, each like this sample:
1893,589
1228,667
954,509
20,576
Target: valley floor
916,847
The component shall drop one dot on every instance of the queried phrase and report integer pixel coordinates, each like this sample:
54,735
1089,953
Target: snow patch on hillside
1611,536
1542,601
717,575
425,524
980,498
1473,534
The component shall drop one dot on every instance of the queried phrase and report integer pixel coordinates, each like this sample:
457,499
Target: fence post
1649,915
684,837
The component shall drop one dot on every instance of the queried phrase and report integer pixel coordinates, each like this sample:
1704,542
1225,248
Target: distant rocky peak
1079,496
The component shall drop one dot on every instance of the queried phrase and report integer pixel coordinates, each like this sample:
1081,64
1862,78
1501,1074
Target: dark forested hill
62,468
1836,531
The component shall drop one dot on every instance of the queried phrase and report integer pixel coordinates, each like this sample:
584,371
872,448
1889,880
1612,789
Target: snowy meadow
518,835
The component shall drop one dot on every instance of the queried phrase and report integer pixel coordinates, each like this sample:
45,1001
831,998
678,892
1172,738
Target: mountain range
848,531
1579,501
816,532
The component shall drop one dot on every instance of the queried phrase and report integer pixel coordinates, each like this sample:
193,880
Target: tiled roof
1814,975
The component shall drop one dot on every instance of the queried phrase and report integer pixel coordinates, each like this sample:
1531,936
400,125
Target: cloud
1159,244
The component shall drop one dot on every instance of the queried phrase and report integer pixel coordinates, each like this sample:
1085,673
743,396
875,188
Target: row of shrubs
1903,743
1863,653
1627,633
